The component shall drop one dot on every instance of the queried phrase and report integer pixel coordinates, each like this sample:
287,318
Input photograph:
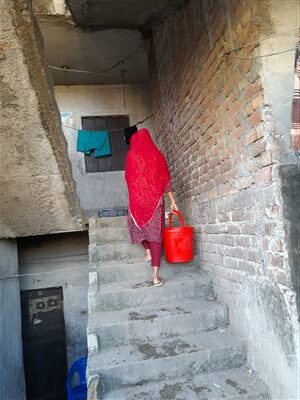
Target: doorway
44,344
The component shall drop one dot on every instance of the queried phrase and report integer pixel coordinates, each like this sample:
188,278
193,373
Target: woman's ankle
155,273
147,256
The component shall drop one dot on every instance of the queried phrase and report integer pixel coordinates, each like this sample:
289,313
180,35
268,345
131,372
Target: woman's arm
172,202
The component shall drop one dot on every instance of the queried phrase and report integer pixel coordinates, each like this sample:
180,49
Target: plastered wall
107,189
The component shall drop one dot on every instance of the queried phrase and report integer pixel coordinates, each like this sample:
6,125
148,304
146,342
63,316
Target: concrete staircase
148,343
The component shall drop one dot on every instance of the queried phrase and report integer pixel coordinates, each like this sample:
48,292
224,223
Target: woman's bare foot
157,280
147,256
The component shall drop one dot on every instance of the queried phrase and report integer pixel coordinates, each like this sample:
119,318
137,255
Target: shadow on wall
290,177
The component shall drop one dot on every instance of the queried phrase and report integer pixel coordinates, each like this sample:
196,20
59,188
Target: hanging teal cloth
96,143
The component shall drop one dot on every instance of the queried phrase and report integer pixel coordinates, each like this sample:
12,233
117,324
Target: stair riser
187,365
184,396
214,386
261,396
109,235
147,394
107,301
186,324
140,272
111,222
114,252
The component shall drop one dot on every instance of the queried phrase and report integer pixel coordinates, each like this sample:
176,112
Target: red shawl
147,176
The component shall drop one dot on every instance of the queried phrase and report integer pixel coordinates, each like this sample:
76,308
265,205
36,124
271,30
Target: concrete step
120,295
123,270
233,384
114,252
133,324
109,235
110,222
173,356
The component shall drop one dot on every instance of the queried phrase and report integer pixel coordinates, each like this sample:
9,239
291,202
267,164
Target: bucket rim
178,228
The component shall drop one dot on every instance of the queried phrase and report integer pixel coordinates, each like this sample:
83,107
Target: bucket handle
178,215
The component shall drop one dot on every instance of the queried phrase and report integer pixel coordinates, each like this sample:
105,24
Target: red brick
258,148
244,183
255,118
264,176
270,228
246,65
277,261
257,102
248,229
253,90
251,137
277,246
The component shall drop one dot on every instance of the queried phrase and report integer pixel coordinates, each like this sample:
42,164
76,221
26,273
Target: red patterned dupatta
147,176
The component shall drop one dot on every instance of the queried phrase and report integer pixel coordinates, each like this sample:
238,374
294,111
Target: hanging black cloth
128,132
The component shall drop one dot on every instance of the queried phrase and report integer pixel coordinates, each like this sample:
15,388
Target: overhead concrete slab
129,14
70,47
50,7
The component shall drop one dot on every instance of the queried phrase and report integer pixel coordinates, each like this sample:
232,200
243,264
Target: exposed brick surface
213,127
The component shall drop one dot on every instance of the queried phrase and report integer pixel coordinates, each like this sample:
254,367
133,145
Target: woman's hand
173,206
172,202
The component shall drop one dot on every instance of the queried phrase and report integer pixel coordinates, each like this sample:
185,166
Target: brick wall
220,139
209,123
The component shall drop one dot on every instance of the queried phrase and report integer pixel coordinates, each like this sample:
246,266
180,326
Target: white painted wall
106,189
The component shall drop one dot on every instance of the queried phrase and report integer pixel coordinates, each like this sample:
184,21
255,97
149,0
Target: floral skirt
153,231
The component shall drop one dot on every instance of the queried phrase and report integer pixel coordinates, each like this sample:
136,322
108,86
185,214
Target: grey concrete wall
36,186
290,177
12,385
107,189
60,260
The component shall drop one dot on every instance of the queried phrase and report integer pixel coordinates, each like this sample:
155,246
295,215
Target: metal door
44,344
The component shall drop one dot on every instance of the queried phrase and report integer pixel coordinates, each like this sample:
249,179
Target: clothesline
144,120
43,273
114,129
257,42
79,129
224,55
103,71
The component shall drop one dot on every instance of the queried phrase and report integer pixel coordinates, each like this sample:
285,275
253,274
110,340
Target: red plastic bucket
178,241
